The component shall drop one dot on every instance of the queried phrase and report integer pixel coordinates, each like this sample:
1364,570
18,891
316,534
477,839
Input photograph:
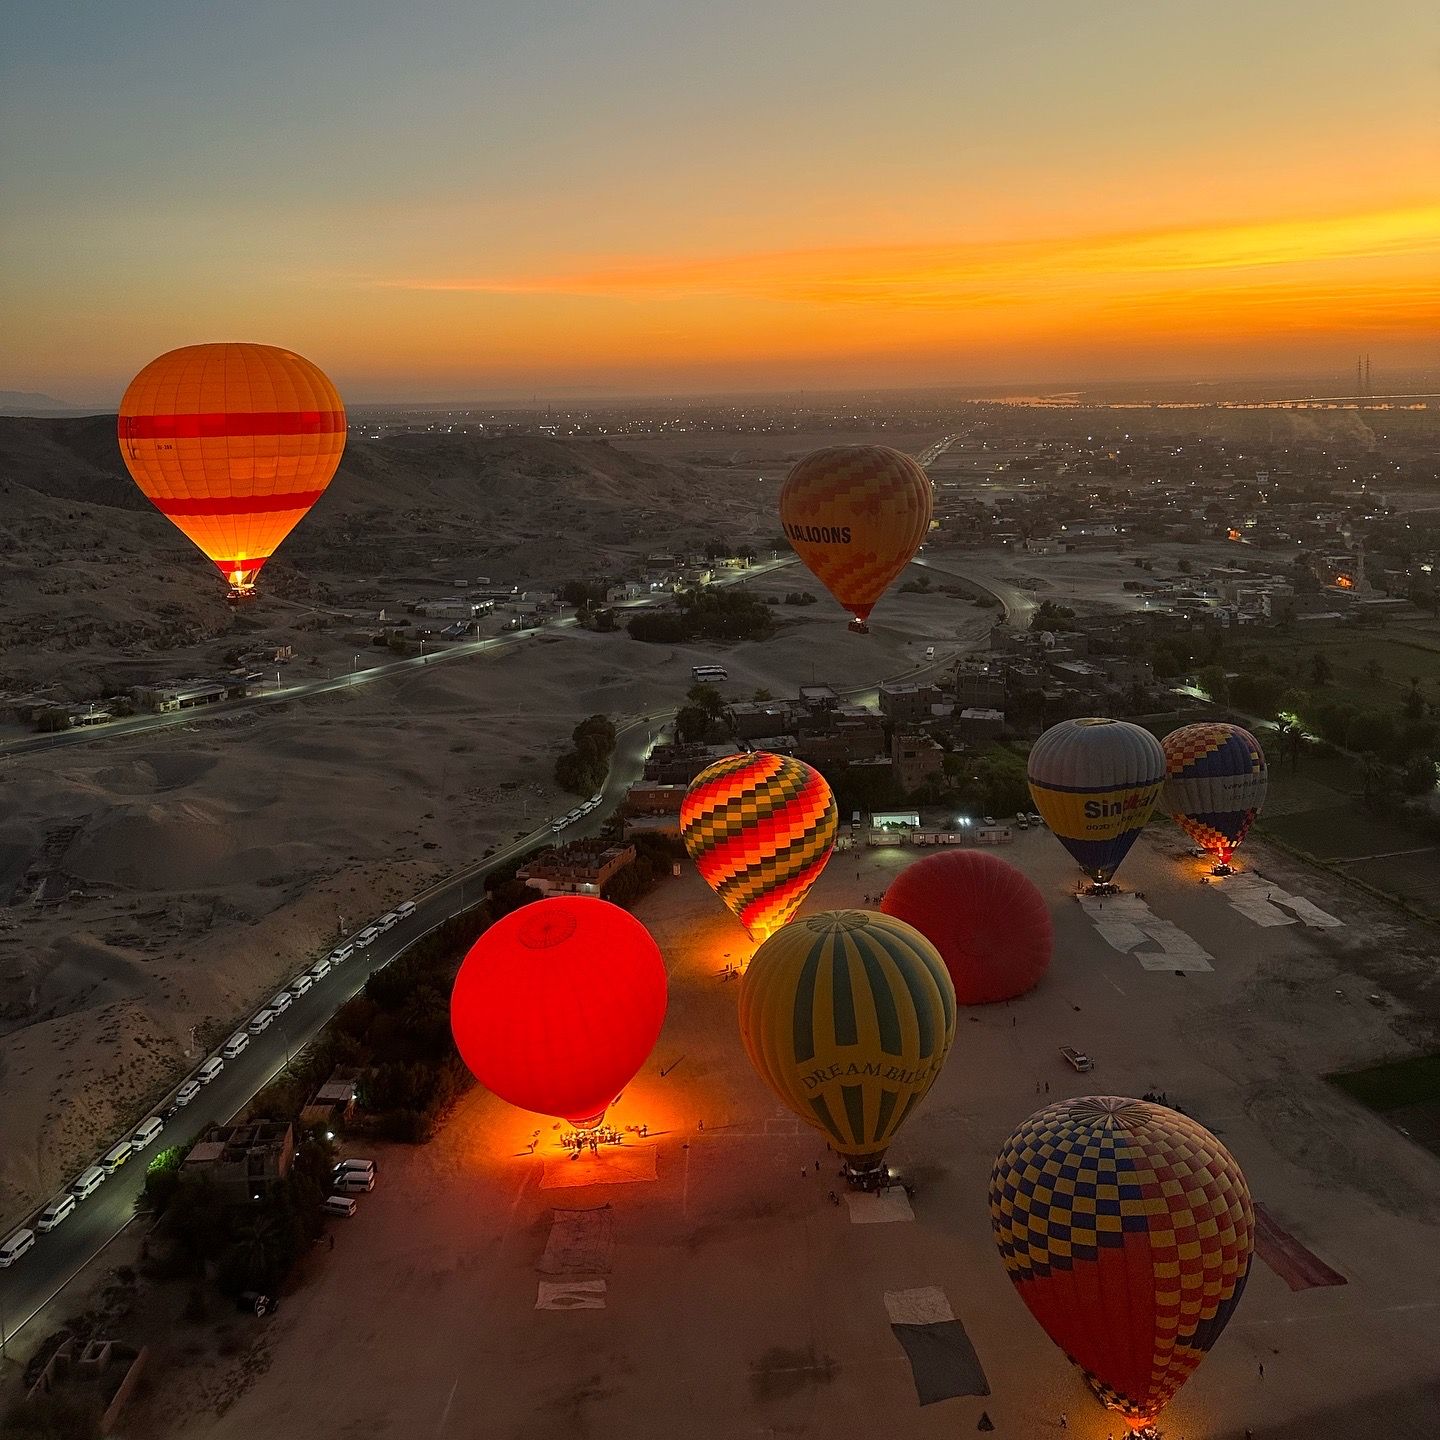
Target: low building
651,809
975,725
187,694
916,758
979,687
242,1162
95,1375
580,868
333,1103
680,764
907,703
751,719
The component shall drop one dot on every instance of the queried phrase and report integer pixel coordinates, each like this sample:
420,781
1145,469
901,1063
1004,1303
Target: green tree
708,699
1215,683
1320,671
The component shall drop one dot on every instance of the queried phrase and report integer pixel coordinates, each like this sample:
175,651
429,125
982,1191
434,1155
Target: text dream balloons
988,921
1215,781
760,829
1127,1229
558,1004
856,514
848,1016
233,443
1096,782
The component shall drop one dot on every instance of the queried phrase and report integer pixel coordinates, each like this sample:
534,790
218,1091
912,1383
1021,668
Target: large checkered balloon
1127,1228
759,828
856,514
1215,782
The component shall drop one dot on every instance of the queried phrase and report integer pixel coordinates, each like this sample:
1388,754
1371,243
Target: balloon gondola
233,443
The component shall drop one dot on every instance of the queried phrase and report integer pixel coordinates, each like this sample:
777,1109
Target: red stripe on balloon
218,424
238,504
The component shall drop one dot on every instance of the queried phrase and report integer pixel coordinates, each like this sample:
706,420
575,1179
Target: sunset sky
474,198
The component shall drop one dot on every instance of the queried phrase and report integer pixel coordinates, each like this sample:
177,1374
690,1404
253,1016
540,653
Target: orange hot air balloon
233,443
856,514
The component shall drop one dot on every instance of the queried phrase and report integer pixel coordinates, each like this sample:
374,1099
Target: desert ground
183,876
722,1294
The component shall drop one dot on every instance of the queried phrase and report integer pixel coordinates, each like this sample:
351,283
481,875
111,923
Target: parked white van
187,1092
235,1044
116,1156
281,1001
342,954
339,1205
320,969
366,936
209,1070
87,1182
353,1182
61,1208
260,1021
146,1133
301,983
405,909
387,921
18,1244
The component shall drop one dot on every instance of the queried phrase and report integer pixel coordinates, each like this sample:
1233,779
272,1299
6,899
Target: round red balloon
558,1004
987,920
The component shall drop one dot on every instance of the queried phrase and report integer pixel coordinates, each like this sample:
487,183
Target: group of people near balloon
1101,1206
1126,1227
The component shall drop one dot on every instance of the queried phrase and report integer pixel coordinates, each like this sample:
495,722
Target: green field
1393,1086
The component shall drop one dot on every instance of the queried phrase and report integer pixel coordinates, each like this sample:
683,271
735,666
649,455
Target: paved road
138,724
1019,604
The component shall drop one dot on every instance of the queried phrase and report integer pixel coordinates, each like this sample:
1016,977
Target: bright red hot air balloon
558,1004
988,921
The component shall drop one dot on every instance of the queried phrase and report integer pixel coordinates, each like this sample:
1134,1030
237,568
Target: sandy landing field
183,877
729,1298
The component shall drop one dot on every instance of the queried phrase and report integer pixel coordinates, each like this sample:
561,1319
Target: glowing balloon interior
1127,1229
760,829
856,515
848,1016
233,443
1215,782
558,1004
988,921
1096,781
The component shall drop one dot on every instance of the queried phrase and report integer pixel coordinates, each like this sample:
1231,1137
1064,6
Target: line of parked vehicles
578,813
85,1184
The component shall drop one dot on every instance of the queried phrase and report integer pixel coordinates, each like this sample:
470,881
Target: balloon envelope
1127,1229
558,1004
988,921
760,829
1215,782
856,514
1096,781
848,1016
233,443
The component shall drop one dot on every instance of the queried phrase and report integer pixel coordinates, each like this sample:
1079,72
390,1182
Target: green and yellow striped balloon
847,1016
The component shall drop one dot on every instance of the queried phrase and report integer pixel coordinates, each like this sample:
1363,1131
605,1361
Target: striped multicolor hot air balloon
1127,1229
848,1016
1215,781
233,443
1096,782
856,514
759,828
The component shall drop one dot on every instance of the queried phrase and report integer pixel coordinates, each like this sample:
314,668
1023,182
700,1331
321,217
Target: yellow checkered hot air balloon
856,514
848,1016
759,828
1127,1229
1215,780
1096,781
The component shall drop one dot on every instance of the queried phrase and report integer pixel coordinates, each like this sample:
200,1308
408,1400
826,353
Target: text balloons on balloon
233,443
1215,783
1136,1287
1096,781
760,829
558,1005
847,1016
988,921
856,515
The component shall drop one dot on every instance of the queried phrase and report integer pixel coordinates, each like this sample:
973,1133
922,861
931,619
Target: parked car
281,1001
387,921
146,1133
15,1246
320,969
356,1167
301,983
261,1021
1021,823
209,1070
61,1208
989,820
1078,1058
339,1205
341,954
116,1156
234,1045
86,1183
187,1092
353,1182
405,909
366,937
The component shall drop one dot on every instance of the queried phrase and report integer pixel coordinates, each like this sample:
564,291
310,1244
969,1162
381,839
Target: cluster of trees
588,598
702,716
582,769
654,855
989,782
1050,615
799,597
706,614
